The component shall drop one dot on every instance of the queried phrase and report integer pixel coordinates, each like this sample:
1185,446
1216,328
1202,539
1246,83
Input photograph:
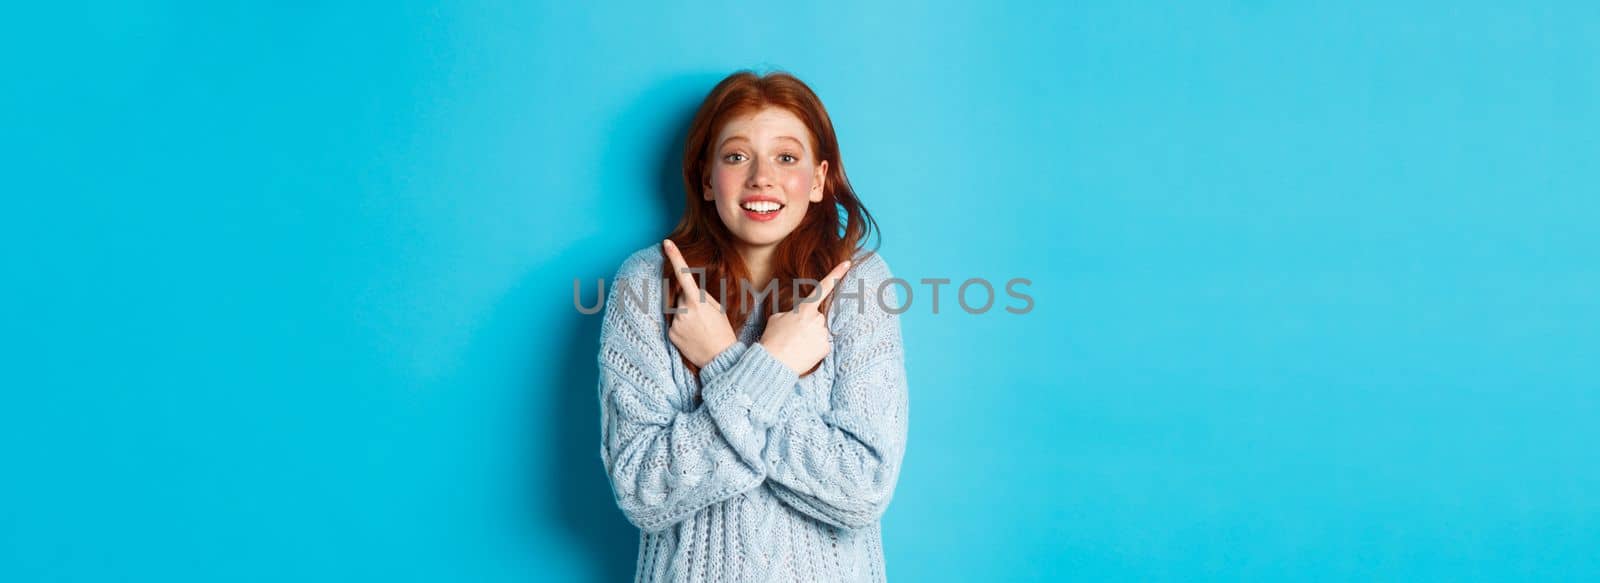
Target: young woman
753,426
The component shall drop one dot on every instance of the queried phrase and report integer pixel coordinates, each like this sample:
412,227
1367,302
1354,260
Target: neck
759,261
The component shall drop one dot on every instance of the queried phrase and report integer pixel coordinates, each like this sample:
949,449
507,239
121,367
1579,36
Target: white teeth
762,206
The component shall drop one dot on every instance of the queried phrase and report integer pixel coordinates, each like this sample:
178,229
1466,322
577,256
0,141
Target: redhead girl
753,407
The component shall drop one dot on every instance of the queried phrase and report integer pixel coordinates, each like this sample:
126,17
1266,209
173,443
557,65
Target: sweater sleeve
840,465
721,362
665,462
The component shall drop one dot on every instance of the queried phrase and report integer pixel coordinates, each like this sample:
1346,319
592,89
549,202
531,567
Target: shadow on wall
582,499
652,131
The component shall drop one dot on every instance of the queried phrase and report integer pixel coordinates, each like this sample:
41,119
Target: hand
800,338
699,327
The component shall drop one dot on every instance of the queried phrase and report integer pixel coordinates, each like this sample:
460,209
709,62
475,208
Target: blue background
288,287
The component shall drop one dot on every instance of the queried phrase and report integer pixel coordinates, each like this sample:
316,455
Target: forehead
766,125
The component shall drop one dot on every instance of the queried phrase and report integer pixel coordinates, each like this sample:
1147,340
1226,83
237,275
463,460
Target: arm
665,463
840,465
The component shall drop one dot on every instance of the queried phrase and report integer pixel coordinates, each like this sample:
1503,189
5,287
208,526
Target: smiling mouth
762,207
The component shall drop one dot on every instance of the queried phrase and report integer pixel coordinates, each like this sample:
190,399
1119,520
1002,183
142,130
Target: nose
760,175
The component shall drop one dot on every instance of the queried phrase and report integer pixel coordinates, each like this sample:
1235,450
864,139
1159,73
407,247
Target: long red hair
832,231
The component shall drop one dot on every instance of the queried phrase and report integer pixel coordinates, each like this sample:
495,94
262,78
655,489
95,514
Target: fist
699,327
800,338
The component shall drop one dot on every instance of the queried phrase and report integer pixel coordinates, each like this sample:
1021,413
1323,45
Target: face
763,175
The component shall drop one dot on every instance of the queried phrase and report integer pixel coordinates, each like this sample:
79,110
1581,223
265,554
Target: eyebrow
732,138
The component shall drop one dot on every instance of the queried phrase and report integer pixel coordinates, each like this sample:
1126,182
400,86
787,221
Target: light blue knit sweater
773,477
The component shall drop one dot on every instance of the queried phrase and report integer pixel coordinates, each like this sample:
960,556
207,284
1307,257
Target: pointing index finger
681,270
827,284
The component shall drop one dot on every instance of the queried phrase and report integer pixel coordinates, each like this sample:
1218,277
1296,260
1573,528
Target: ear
819,182
705,189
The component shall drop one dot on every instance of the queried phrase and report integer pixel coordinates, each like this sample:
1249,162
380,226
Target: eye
788,158
730,157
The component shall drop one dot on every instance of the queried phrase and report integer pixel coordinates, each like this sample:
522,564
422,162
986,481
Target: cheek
726,184
797,180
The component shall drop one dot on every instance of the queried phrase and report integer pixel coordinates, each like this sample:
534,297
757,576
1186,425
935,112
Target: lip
759,217
762,218
760,198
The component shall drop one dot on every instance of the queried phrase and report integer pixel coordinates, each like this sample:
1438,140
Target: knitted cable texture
766,476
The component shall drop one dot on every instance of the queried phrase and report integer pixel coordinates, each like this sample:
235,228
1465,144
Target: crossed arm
838,465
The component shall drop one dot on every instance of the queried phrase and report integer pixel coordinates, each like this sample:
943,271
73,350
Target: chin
759,234
761,237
